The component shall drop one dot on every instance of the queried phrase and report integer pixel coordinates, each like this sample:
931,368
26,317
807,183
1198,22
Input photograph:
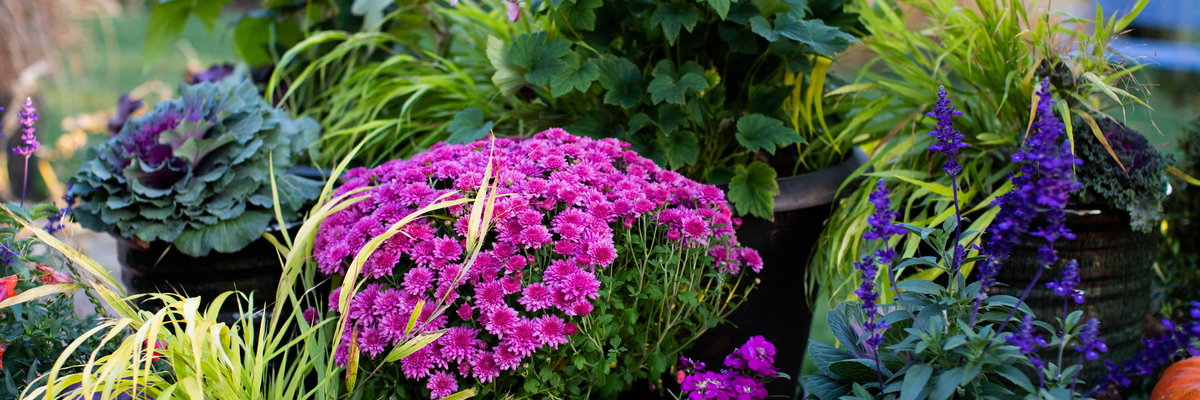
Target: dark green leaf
597,124
681,148
167,20
759,25
621,79
580,14
539,56
224,236
739,40
757,131
859,370
468,126
926,260
824,40
920,286
575,77
638,121
671,117
672,17
251,38
799,8
914,381
823,354
720,6
671,86
509,77
947,382
824,387
840,325
740,12
753,188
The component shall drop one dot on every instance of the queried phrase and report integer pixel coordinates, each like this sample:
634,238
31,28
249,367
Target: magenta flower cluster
561,199
747,371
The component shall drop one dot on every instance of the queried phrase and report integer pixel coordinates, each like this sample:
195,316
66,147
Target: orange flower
2,347
8,287
51,275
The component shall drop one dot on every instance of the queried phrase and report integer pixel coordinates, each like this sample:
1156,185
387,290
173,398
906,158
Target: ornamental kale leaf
196,171
1137,184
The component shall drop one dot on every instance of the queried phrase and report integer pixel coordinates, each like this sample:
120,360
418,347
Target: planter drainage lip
819,187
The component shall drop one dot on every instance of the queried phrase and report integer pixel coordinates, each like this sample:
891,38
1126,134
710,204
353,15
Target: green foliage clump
34,332
723,92
1179,254
989,57
198,171
1134,181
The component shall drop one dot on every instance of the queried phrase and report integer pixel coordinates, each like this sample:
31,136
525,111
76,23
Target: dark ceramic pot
1115,271
159,268
778,309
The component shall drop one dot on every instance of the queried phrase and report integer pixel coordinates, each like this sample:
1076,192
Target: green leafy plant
987,57
724,92
36,319
1179,254
198,171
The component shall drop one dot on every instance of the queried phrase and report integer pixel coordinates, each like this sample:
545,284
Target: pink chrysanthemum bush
600,269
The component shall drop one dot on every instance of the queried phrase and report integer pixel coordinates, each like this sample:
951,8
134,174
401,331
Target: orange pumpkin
1181,381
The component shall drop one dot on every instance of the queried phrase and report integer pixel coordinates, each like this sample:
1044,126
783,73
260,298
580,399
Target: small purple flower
57,222
690,366
1025,337
759,355
1091,344
1066,283
948,138
29,117
707,385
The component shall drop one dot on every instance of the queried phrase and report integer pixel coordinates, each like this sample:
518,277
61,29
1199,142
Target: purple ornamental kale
125,109
949,140
215,73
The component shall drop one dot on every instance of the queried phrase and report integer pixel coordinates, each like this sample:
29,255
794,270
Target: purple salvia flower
1156,353
29,117
1067,281
881,221
1026,338
949,140
1091,344
882,228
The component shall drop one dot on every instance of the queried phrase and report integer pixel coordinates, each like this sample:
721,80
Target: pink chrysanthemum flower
459,344
442,384
564,202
